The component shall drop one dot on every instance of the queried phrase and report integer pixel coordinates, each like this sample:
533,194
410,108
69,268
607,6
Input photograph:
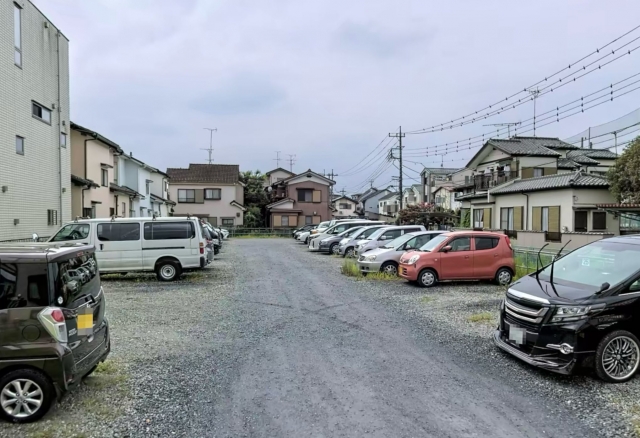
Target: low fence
260,232
526,258
40,239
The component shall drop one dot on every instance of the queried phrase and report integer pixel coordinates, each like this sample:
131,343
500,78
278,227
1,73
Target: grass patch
42,434
260,236
481,317
382,276
426,299
350,269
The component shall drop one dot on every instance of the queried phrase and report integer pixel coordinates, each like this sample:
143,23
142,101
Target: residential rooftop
552,182
205,173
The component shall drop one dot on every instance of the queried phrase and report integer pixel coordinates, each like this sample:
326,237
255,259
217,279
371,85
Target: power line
475,116
361,161
376,158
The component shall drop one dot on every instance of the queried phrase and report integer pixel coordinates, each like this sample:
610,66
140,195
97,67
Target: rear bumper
408,272
548,363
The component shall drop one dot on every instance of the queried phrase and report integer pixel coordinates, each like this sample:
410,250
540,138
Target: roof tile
549,182
206,173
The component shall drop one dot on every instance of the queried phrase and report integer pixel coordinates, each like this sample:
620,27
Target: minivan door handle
466,257
101,246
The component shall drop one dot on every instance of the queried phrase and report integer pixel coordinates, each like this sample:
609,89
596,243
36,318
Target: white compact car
314,241
383,236
167,246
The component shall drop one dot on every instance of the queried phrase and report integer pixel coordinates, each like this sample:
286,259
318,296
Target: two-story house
368,202
159,187
412,195
389,204
301,199
445,198
344,207
277,175
35,175
539,184
212,192
433,177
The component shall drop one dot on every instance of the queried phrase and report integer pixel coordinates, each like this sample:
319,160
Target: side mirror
383,237
35,237
446,248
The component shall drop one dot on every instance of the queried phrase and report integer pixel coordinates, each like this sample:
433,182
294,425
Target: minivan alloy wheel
350,253
390,268
620,358
335,249
21,398
427,278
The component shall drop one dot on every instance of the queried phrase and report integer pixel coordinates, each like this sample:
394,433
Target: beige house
210,191
277,175
445,197
343,207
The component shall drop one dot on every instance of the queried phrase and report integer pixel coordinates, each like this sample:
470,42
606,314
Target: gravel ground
271,340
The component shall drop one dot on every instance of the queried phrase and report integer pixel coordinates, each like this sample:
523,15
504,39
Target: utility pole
277,158
210,150
292,159
399,136
535,94
343,191
508,125
331,176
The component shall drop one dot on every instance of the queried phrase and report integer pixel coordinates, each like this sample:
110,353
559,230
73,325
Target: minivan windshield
72,232
433,243
377,233
365,232
399,241
594,264
350,232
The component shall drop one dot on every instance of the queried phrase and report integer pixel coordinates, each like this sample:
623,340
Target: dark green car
53,330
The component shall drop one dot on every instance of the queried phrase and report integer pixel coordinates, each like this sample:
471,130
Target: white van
167,246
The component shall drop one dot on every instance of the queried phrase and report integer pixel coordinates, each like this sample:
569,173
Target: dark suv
53,331
583,309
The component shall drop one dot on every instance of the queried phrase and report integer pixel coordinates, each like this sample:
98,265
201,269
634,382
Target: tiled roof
344,197
550,182
470,196
389,196
97,136
565,163
583,159
83,181
440,170
279,169
549,142
280,201
206,173
123,189
525,146
593,153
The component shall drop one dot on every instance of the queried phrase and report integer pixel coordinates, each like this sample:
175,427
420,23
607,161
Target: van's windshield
72,232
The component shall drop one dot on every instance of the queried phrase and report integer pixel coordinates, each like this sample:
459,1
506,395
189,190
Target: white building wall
39,180
143,206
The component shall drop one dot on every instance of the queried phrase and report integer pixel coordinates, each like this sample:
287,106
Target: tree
426,214
255,198
624,175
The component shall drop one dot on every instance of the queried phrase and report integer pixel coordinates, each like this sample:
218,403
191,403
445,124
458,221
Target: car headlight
570,313
413,259
370,258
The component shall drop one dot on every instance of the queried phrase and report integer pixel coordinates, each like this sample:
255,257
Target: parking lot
271,340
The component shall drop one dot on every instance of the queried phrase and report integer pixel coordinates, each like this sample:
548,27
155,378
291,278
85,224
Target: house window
17,34
538,171
580,221
19,145
213,194
115,171
545,218
228,221
345,206
87,212
40,112
147,187
124,209
186,195
63,139
105,177
599,220
308,220
478,218
132,212
52,217
305,195
142,212
506,218
285,221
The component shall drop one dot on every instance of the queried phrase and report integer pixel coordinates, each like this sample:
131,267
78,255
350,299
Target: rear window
75,278
118,232
23,285
72,232
486,243
168,230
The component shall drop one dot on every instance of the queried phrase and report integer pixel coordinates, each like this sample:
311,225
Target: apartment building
35,175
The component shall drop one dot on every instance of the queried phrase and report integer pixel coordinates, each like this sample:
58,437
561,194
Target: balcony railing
391,208
486,181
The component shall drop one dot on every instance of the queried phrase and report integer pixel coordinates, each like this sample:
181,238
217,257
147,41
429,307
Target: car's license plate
517,335
85,321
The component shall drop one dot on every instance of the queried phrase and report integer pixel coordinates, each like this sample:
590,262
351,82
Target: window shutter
536,219
199,196
550,171
277,221
599,220
293,221
517,218
317,196
554,219
316,220
527,172
487,218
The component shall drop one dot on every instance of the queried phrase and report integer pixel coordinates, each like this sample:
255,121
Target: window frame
575,221
186,199
222,221
63,139
119,225
476,221
543,226
603,214
212,197
539,170
509,220
42,108
308,220
52,217
17,35
19,137
305,191
104,177
282,221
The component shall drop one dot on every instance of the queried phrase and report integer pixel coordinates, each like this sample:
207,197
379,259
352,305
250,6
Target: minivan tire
333,249
32,377
427,278
503,276
349,252
390,268
168,270
609,349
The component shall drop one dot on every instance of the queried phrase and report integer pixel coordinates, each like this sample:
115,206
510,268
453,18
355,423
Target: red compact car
460,255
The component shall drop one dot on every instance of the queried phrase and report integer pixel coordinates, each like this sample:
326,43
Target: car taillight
509,242
52,319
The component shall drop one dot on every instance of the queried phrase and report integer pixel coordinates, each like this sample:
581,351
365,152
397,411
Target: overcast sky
325,80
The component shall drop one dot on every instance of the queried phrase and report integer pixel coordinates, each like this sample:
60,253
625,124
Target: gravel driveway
272,340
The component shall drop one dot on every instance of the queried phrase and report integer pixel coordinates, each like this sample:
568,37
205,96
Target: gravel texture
271,340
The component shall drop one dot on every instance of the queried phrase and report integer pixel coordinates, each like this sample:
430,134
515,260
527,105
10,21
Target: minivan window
23,285
75,278
72,232
118,232
433,243
368,232
399,241
594,264
351,231
168,230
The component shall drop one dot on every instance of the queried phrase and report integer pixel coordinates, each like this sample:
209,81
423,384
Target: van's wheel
503,277
26,395
350,253
389,268
168,270
617,356
427,278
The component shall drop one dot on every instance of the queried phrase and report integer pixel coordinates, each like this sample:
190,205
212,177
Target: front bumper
369,266
408,272
314,245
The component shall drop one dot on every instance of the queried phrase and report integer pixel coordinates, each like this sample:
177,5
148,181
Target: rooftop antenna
277,158
508,125
534,94
292,159
210,149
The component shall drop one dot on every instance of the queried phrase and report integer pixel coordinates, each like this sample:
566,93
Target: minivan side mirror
35,237
383,237
446,248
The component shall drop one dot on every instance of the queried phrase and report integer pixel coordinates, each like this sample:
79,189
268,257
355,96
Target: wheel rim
335,249
504,277
168,271
350,252
21,398
428,278
620,358
390,269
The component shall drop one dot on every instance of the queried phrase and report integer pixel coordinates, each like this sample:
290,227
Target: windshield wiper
553,262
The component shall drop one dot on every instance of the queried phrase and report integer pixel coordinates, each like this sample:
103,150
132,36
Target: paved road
315,356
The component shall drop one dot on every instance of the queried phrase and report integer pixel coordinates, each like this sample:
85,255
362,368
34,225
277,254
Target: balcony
486,181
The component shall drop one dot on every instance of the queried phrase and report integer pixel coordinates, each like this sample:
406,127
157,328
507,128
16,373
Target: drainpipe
60,128
116,210
526,213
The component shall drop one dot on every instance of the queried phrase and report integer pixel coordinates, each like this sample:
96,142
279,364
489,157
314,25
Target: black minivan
581,310
53,330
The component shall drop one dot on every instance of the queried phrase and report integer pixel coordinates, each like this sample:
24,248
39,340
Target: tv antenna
210,149
508,125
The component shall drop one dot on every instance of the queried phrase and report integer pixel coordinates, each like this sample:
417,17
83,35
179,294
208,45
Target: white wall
278,175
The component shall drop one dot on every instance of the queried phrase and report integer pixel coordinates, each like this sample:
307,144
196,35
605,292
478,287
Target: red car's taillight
52,319
509,242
